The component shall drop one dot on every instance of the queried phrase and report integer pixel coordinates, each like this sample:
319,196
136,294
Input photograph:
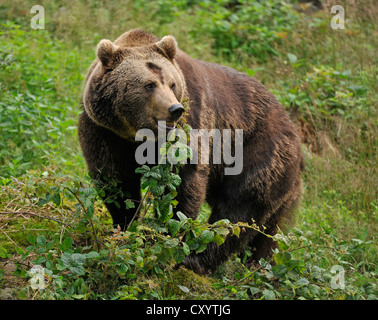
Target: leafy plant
151,246
299,270
245,27
31,125
325,92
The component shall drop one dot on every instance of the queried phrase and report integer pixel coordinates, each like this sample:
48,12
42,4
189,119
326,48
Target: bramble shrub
88,261
302,269
118,261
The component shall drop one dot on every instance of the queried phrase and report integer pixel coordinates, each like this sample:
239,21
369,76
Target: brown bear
140,79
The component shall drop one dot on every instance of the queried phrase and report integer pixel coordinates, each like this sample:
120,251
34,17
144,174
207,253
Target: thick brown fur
117,103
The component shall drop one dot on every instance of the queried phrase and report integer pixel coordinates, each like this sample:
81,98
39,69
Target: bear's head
134,87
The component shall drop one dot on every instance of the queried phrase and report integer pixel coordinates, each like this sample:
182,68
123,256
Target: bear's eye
151,86
173,86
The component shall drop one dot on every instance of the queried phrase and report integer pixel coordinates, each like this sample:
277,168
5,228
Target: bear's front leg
115,195
191,193
111,163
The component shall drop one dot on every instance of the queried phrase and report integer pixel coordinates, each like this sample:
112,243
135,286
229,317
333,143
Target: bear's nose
176,111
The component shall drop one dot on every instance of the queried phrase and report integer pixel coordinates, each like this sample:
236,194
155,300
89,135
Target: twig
21,230
35,214
144,213
10,202
238,281
313,246
138,209
86,213
11,240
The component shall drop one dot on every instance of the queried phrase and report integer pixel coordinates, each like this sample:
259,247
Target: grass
325,78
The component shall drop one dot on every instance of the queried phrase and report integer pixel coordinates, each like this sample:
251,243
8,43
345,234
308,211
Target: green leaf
78,258
89,192
181,216
78,270
39,260
174,182
129,204
183,289
302,282
174,226
92,255
143,169
179,255
293,264
165,214
56,199
66,259
154,173
175,179
236,231
282,257
269,294
202,247
218,239
164,257
207,236
67,243
358,90
49,245
164,208
282,245
31,239
156,249
61,267
49,265
280,270
172,243
223,231
186,248
254,290
156,190
41,240
74,262
43,201
90,209
122,269
3,253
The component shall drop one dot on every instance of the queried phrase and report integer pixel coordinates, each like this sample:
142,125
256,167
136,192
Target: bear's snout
176,110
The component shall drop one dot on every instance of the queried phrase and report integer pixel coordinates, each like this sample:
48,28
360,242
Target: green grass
39,103
326,79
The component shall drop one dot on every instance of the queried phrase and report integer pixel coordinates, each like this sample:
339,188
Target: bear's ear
169,45
106,52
